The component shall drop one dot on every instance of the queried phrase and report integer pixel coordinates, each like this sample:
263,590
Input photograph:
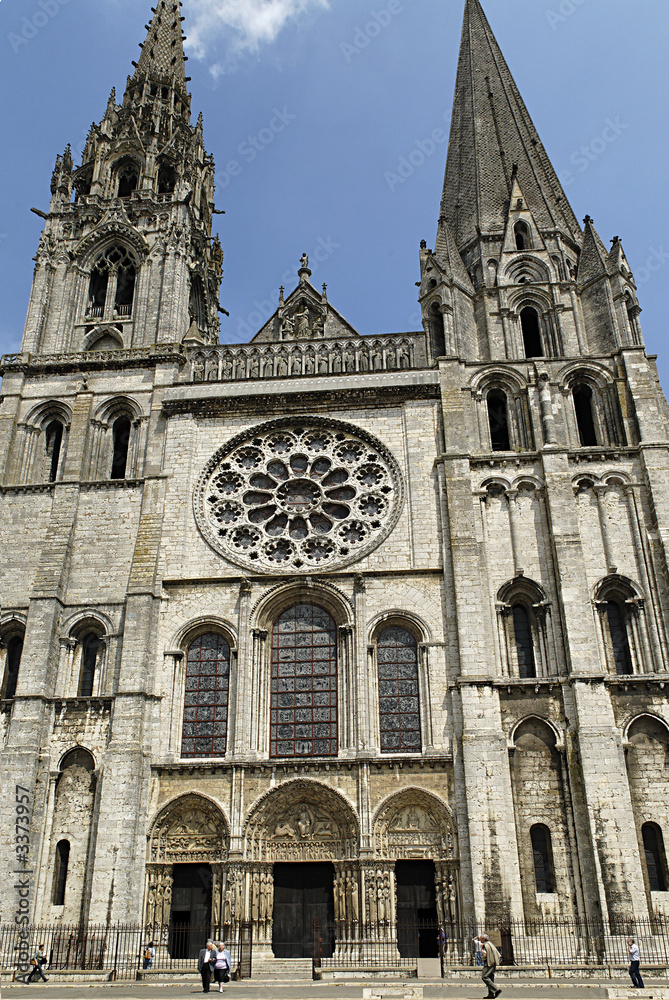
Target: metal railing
117,950
527,943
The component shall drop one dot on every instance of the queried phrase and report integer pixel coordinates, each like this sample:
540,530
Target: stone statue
304,822
227,367
198,370
287,328
304,260
302,324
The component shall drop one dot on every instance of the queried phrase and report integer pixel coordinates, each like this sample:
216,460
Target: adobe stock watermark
563,12
253,145
31,26
379,20
584,156
422,150
657,259
22,875
265,308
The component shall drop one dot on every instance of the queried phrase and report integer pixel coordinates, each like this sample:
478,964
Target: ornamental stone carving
297,495
189,830
414,824
303,821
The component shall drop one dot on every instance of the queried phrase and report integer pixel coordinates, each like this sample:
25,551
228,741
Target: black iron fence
122,951
528,943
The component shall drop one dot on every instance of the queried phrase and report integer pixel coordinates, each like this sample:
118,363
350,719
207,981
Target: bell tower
126,258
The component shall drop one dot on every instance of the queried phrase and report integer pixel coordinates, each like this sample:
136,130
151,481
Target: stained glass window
303,721
206,700
399,710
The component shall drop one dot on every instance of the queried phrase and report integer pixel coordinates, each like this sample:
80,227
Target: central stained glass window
399,709
303,720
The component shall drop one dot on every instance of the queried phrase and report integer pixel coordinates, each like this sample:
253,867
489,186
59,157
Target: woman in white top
221,965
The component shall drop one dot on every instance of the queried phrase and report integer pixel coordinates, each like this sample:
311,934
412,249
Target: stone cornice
136,357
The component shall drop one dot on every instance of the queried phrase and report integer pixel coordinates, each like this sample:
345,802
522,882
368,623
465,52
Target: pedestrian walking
38,960
222,965
478,948
205,965
491,960
635,958
149,955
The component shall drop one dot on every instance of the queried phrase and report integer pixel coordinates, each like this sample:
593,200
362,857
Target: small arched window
53,440
656,860
529,321
128,179
522,234
542,850
205,724
14,646
399,705
60,872
112,285
498,420
166,179
121,442
585,418
91,651
616,634
522,633
437,331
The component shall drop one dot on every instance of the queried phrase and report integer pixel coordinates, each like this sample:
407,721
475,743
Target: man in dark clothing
205,964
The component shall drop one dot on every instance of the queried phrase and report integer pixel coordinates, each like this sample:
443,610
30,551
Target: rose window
295,496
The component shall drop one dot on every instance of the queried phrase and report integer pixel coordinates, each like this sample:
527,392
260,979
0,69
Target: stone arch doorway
186,874
301,843
414,887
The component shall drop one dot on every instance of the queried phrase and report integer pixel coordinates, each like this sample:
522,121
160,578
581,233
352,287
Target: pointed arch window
167,179
399,703
498,420
128,179
205,721
542,850
92,648
437,331
14,649
303,707
121,441
524,642
531,327
53,440
60,872
585,417
522,234
656,859
111,288
618,641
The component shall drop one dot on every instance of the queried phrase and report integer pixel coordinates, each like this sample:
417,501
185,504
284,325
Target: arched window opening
128,179
60,872
529,321
91,649
523,238
543,858
112,285
617,636
522,633
167,179
205,722
585,418
498,419
633,311
121,438
303,709
437,331
13,662
399,707
656,860
53,441
196,307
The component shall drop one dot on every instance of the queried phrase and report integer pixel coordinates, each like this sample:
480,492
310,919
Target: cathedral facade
383,617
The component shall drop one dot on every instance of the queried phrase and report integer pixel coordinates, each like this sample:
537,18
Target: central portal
302,893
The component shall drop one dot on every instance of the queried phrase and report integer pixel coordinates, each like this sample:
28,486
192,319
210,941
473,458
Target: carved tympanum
414,824
190,830
305,823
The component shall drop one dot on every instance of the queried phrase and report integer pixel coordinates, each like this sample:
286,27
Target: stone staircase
269,969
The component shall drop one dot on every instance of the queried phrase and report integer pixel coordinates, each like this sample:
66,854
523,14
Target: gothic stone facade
324,596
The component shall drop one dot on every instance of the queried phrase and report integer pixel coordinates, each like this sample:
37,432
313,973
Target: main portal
302,893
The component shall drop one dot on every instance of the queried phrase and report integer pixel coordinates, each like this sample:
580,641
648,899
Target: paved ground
327,990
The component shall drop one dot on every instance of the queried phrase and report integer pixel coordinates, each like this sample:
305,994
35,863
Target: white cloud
243,25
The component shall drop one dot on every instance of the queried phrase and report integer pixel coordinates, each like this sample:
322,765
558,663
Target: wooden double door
302,893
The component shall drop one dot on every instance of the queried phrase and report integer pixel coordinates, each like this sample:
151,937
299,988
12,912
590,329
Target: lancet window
13,648
112,285
542,851
399,701
498,420
531,327
92,650
60,872
53,442
205,721
303,706
656,860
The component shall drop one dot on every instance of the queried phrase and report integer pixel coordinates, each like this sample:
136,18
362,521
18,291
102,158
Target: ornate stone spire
162,60
491,134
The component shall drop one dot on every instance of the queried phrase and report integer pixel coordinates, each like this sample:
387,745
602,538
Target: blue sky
310,106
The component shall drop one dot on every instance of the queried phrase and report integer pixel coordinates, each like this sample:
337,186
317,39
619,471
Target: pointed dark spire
162,58
492,136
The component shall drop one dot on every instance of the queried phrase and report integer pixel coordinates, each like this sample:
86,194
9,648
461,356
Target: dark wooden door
302,893
417,928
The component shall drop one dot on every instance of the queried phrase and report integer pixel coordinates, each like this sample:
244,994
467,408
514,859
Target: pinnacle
162,58
492,139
